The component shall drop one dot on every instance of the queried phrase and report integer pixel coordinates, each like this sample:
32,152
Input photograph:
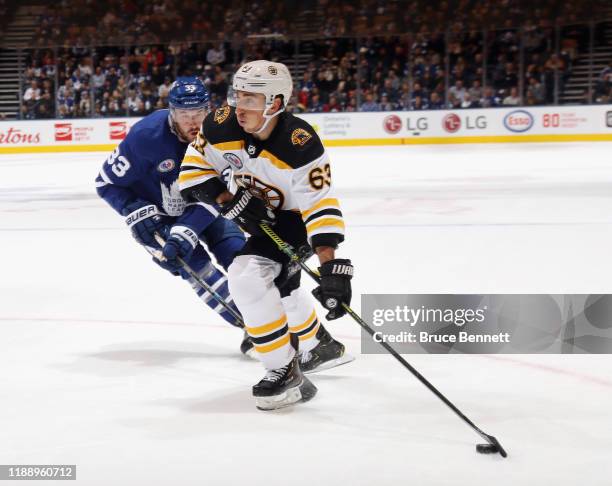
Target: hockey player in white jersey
280,174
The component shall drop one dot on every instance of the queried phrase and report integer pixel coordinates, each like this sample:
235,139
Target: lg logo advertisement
452,122
417,125
518,121
393,124
609,119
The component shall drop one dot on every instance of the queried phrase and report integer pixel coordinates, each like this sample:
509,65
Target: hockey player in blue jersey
140,181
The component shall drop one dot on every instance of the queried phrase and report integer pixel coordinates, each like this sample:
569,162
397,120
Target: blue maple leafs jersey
145,166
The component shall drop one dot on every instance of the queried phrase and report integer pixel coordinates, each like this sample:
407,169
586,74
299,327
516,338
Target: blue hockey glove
180,243
144,220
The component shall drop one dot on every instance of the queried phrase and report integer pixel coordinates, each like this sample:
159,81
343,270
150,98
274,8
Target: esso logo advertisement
117,130
63,132
392,124
451,123
518,121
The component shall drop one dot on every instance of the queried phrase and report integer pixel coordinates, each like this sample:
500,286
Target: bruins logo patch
221,114
272,196
300,137
199,143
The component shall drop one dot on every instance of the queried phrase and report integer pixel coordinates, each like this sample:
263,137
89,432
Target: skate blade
301,393
332,363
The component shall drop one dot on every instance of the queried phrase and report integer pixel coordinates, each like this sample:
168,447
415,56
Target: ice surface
109,363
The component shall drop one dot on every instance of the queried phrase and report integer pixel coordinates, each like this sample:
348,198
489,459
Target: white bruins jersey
290,170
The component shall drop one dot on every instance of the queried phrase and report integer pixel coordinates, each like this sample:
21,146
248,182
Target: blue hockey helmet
188,93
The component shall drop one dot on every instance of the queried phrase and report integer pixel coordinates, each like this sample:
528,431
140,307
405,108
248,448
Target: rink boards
493,125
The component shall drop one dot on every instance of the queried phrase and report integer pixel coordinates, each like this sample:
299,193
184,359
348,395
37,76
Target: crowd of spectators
6,7
525,61
115,22
435,71
38,100
71,22
111,81
80,82
603,89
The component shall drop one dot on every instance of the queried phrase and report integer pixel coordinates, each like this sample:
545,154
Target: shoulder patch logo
199,143
221,114
166,165
272,70
300,137
234,160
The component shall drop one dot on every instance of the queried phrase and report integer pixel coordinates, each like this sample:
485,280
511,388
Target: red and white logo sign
392,124
118,130
63,132
15,136
451,123
564,119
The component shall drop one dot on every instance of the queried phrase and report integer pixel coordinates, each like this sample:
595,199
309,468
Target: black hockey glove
335,286
248,212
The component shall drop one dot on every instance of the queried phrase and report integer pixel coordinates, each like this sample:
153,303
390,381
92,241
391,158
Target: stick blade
493,447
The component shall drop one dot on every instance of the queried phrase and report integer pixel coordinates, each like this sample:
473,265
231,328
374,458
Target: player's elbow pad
206,192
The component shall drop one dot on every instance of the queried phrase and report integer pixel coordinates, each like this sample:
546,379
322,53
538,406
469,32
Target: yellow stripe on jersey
267,328
189,175
305,324
328,221
331,202
197,161
310,334
233,145
275,160
267,348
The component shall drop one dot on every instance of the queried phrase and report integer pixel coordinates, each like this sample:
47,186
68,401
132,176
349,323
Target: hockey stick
492,445
157,254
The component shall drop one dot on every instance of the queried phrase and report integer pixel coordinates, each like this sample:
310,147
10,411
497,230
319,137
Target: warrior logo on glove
248,211
343,270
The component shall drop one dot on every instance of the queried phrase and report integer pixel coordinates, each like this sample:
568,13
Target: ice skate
283,387
329,353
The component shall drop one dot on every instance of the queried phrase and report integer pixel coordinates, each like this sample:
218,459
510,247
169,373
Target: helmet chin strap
268,118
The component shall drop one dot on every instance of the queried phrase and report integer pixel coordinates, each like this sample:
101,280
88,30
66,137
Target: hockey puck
486,449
